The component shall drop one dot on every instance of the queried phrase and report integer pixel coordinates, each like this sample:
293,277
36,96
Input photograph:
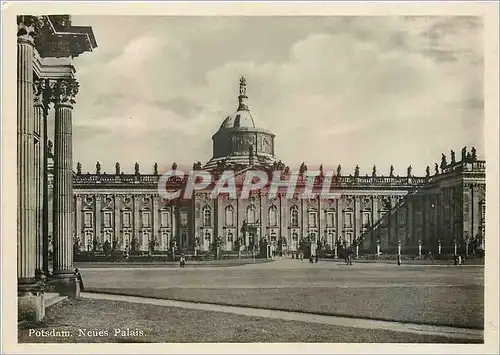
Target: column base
66,284
40,275
30,300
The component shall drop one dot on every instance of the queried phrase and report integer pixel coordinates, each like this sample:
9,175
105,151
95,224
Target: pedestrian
79,279
182,261
399,259
316,258
460,260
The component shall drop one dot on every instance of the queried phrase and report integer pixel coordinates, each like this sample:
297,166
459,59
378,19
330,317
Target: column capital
27,28
64,92
43,91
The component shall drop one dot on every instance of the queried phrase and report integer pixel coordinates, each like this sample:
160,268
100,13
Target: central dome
238,142
240,119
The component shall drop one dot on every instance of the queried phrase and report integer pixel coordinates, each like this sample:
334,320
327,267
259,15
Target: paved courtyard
282,301
438,295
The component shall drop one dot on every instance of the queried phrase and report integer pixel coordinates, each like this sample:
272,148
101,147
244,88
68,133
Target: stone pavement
450,332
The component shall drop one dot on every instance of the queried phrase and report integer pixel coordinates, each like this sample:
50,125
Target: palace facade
441,212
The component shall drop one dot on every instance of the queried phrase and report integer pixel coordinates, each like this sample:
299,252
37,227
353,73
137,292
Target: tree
114,244
95,243
152,243
106,247
133,244
76,246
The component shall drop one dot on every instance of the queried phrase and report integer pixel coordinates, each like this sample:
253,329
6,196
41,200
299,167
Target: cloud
357,90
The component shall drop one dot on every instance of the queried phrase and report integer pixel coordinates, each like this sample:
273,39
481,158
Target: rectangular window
330,219
483,213
146,219
89,217
402,218
184,218
348,220
107,219
165,217
126,219
383,218
313,219
366,220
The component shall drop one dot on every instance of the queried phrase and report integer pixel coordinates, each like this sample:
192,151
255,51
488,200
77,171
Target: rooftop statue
444,164
391,172
98,168
117,168
78,168
137,168
473,154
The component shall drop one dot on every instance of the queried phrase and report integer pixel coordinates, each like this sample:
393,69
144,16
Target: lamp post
439,246
335,256
419,248
399,252
378,247
455,247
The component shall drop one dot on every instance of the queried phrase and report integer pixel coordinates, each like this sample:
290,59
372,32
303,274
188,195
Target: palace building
442,211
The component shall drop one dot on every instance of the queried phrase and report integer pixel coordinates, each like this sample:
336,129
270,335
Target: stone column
38,172
64,93
47,93
30,300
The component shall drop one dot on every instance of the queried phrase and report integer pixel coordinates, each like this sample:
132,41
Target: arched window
294,216
230,237
273,216
207,236
207,216
295,236
251,214
229,216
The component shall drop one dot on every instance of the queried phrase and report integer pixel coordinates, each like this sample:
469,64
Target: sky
335,90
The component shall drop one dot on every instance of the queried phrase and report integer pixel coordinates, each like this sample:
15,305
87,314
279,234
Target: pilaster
98,219
78,222
116,224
